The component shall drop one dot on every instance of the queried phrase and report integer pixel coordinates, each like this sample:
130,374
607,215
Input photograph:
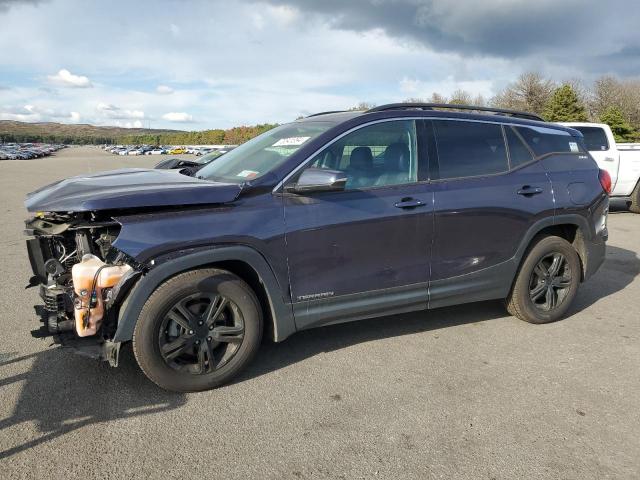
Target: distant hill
12,131
50,132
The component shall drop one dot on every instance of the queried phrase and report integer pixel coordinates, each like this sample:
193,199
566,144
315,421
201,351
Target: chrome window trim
304,163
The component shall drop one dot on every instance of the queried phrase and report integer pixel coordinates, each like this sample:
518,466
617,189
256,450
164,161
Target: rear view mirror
319,180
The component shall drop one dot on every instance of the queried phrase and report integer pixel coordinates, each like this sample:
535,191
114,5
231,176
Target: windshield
262,154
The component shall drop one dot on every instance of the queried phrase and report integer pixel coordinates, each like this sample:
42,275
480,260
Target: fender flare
586,237
281,312
571,219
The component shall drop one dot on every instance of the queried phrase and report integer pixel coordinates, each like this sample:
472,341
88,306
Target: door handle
529,191
609,159
409,202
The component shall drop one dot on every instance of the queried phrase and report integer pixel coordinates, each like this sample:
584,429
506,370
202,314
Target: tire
533,281
198,330
634,206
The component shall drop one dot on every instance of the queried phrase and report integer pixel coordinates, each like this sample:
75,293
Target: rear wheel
547,282
198,330
634,206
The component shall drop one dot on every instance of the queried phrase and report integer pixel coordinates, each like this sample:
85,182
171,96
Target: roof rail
434,106
325,113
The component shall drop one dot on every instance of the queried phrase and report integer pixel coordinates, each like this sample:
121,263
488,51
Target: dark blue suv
336,217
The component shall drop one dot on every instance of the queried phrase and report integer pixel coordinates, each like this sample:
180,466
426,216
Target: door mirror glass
319,180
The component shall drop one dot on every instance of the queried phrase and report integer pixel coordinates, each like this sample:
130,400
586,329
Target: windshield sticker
573,146
290,142
248,174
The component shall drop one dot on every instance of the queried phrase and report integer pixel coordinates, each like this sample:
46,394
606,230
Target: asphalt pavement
466,392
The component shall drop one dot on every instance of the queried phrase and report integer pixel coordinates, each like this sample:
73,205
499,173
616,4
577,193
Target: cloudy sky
197,64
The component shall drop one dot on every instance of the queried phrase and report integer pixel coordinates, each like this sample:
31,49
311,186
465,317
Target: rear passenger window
519,154
544,140
468,149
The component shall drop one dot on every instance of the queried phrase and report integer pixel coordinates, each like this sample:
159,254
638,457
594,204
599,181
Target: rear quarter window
544,140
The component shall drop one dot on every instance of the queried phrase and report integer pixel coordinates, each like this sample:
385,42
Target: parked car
27,151
621,160
157,151
332,218
194,165
177,151
203,151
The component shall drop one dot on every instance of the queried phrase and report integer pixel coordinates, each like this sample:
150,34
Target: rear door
364,251
488,191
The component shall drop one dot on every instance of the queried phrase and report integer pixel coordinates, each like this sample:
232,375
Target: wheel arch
243,261
572,227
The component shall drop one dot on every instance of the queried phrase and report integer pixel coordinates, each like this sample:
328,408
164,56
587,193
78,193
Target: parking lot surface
462,392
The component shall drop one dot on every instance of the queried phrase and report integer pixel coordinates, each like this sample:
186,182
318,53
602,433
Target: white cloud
134,124
117,113
64,78
19,114
179,117
412,87
37,113
284,15
164,90
254,63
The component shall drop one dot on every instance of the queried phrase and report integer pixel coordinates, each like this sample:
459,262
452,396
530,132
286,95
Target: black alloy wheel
547,281
198,330
550,282
201,333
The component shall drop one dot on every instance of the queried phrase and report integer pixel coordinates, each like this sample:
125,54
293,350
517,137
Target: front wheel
547,282
198,330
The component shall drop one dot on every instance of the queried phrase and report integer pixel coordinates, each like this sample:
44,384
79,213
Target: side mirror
318,180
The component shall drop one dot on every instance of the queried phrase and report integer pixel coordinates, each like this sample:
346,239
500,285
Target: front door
364,251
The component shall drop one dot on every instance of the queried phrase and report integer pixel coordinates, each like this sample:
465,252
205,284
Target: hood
129,188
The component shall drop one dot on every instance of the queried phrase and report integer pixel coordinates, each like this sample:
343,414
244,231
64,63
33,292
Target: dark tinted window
518,151
467,149
543,140
594,138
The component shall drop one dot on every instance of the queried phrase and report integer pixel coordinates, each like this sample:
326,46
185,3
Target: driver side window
377,155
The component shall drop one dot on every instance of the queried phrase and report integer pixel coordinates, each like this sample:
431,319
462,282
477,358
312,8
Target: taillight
605,181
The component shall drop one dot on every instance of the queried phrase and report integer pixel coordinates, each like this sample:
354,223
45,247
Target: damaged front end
82,280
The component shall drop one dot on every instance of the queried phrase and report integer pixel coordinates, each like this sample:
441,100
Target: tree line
607,100
26,133
232,136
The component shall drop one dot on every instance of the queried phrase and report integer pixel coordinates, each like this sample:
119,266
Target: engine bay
79,275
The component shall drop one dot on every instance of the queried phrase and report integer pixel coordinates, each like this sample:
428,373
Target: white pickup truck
621,160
